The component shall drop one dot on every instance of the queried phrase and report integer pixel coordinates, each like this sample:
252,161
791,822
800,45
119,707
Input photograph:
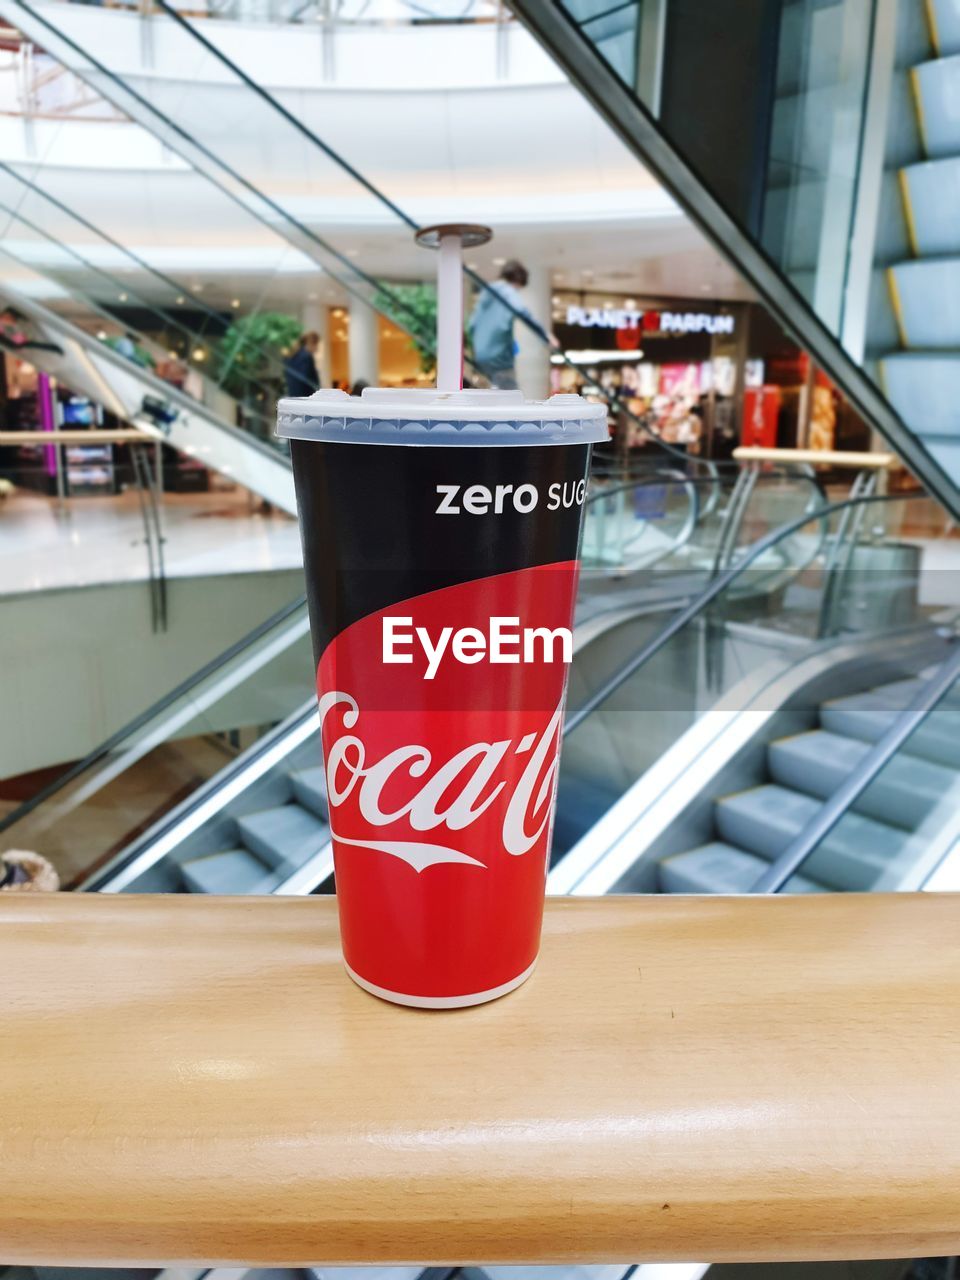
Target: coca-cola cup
441,535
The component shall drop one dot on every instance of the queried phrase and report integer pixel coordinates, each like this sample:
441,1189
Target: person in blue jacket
300,369
491,326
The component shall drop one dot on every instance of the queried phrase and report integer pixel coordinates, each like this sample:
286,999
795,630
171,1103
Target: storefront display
702,377
669,364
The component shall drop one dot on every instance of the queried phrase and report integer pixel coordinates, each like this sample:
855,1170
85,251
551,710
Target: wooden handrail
682,1078
68,436
818,457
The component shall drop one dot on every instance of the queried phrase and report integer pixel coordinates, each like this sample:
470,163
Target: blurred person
15,333
491,326
300,369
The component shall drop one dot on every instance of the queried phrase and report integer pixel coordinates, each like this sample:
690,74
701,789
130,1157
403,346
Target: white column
533,358
315,316
363,338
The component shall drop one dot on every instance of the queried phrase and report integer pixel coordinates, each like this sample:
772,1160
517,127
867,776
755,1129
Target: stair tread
231,871
818,762
869,715
852,857
720,868
285,836
310,788
936,82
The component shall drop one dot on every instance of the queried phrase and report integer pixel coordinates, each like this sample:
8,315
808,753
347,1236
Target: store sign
672,322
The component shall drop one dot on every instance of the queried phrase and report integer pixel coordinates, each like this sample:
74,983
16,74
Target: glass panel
864,570
186,740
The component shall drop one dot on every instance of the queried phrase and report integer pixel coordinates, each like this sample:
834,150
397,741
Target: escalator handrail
716,587
661,479
157,709
876,759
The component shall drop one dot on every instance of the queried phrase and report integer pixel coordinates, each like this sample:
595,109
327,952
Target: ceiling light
102,335
235,303
499,262
199,353
172,355
181,300
631,304
123,297
196,288
353,253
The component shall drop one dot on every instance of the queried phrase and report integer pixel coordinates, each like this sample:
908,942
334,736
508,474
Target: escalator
733,799
84,363
788,171
919,362
158,808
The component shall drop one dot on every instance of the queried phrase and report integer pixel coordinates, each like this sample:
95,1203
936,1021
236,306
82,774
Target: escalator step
284,837
310,789
817,763
933,188
924,387
232,871
868,716
857,852
945,15
936,87
719,868
929,295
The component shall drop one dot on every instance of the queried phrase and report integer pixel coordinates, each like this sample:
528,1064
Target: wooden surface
692,1079
67,436
823,457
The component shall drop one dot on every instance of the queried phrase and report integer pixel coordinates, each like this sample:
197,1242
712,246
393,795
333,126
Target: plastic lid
383,415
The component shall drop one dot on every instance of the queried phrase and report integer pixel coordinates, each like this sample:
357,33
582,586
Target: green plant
253,350
417,314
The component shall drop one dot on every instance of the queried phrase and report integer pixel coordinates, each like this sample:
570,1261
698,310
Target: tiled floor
96,540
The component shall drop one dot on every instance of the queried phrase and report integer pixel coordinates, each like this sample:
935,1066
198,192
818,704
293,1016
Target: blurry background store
704,376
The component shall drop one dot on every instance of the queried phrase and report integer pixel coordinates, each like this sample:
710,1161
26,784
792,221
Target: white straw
450,314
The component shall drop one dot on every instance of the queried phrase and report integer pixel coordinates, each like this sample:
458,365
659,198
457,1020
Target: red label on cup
441,719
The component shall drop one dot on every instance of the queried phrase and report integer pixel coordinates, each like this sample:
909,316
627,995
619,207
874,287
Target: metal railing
933,691
712,592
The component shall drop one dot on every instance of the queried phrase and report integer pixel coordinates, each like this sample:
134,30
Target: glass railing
223,181
873,576
333,13
174,323
101,803
140,339
99,806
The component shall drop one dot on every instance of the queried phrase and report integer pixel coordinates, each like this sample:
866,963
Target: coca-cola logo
410,785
